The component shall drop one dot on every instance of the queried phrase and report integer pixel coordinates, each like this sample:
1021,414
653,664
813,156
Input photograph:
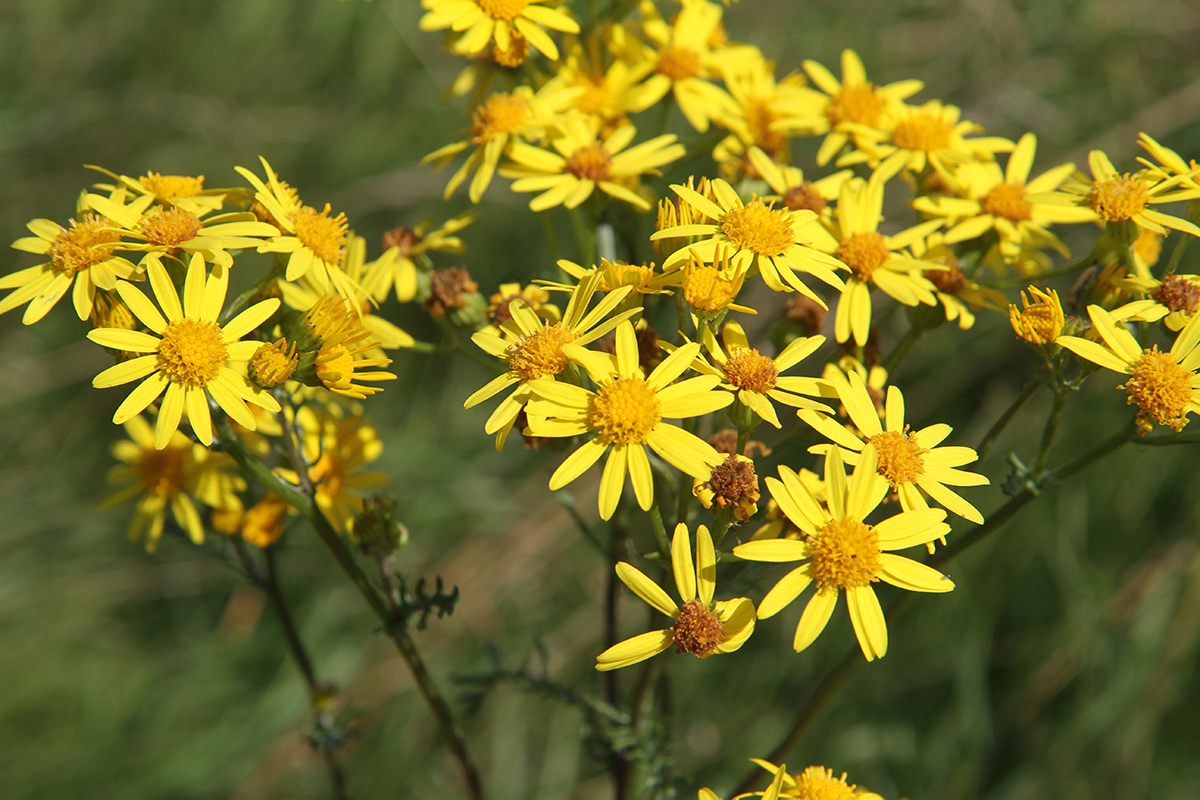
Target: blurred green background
1064,666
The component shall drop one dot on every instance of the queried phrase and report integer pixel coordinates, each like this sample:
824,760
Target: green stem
994,432
1051,429
551,236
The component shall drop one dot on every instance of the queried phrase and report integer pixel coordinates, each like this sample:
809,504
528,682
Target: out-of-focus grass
1063,666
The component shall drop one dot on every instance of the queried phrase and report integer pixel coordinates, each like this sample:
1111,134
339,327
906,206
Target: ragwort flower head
189,356
1175,300
500,20
1039,322
699,626
841,552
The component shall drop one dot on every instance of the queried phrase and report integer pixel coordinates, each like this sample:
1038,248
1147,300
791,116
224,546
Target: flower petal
646,589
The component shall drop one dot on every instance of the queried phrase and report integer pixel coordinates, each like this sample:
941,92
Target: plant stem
1051,429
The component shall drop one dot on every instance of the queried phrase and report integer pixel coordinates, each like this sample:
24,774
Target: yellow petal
646,589
813,620
785,591
867,618
682,564
631,651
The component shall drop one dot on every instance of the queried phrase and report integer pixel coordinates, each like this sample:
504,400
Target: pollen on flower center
804,196
624,411
324,235
161,471
759,228
678,63
818,783
514,55
863,253
171,227
169,187
697,629
591,162
748,370
923,130
499,114
191,352
82,244
541,353
1118,198
705,289
502,9
734,480
759,117
1161,388
901,460
1178,294
950,280
1007,200
845,555
858,103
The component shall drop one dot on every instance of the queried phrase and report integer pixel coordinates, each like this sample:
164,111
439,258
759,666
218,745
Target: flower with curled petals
841,552
699,626
627,413
188,354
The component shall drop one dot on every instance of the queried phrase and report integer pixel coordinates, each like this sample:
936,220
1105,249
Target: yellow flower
532,349
610,93
841,552
641,280
756,378
179,191
338,338
501,20
794,192
626,412
262,524
1164,386
315,240
732,487
584,161
756,114
910,462
844,110
815,783
169,477
80,255
500,120
1175,300
959,295
875,259
395,269
699,626
710,289
188,354
775,240
1041,321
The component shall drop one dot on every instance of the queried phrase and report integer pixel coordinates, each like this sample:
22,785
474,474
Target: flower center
706,290
845,555
923,129
733,480
948,281
1118,198
625,411
162,471
1178,294
324,235
499,114
590,163
171,227
818,783
502,9
1008,200
1161,388
759,117
804,196
748,370
541,353
449,289
171,186
516,53
863,253
82,244
595,98
327,476
678,63
618,274
697,629
191,352
403,239
272,364
901,460
858,103
759,228
1042,321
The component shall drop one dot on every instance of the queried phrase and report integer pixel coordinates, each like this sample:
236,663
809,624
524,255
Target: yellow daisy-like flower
1038,322
1175,300
815,783
775,240
173,230
396,269
80,255
755,118
1164,386
626,412
756,378
188,353
499,20
179,191
1016,208
959,295
928,135
841,552
710,289
875,259
532,349
1124,199
641,280
910,461
609,92
797,194
315,240
338,348
584,162
168,478
500,120
699,626
843,110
